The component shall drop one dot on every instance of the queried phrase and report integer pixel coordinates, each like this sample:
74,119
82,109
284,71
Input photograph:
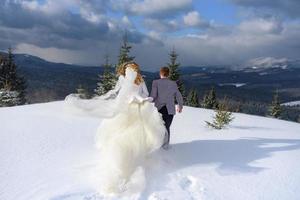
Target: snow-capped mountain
292,103
268,62
265,63
46,154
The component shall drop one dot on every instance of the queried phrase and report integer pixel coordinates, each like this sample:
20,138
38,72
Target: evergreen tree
275,108
222,116
175,72
9,97
108,79
210,99
125,51
9,76
82,92
238,107
192,99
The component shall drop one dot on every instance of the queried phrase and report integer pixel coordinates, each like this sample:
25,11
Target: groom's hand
179,109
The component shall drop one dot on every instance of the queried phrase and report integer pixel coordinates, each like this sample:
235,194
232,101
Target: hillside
46,154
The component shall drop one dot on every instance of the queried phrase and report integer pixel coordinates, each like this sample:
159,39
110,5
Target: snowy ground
48,155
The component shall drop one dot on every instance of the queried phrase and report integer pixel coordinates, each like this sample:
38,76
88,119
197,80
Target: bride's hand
135,99
138,99
149,99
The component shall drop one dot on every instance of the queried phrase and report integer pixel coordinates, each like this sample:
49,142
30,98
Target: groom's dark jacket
164,92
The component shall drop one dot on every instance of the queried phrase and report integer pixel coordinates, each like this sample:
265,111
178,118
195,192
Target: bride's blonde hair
133,65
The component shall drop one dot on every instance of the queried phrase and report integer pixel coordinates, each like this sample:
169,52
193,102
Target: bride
131,129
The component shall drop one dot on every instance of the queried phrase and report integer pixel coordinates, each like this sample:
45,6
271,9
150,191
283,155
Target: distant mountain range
255,81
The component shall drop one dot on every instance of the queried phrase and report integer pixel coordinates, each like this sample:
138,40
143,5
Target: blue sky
204,32
218,10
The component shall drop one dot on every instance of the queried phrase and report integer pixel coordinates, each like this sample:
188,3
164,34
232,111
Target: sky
203,32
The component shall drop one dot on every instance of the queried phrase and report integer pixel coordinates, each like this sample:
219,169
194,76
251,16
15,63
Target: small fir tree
108,79
275,108
205,101
192,99
175,72
222,116
125,48
210,99
82,92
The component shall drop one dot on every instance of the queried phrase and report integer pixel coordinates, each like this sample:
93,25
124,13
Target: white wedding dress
131,129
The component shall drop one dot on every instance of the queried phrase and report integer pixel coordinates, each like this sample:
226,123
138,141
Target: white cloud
79,31
126,22
152,8
161,25
32,5
237,46
287,8
49,6
200,36
261,26
193,19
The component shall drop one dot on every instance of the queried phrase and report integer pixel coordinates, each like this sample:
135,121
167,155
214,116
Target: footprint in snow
187,182
155,196
78,196
191,185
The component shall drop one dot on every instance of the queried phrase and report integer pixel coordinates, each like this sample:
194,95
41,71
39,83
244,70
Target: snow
292,103
233,84
46,154
268,62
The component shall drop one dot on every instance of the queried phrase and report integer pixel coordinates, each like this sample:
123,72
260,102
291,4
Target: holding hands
179,109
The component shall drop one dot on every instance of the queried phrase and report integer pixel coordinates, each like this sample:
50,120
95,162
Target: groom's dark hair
165,71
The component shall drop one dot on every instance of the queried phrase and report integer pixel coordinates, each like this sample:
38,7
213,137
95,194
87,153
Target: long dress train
131,129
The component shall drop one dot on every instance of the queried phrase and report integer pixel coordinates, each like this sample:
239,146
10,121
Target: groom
164,92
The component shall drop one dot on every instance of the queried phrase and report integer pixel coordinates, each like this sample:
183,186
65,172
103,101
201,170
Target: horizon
206,33
263,62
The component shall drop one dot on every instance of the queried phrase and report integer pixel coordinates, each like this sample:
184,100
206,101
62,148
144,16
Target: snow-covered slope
48,155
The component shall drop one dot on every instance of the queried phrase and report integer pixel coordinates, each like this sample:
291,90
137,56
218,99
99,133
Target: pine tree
9,97
108,79
125,51
9,76
222,116
238,107
205,101
275,108
210,99
175,72
82,92
192,99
